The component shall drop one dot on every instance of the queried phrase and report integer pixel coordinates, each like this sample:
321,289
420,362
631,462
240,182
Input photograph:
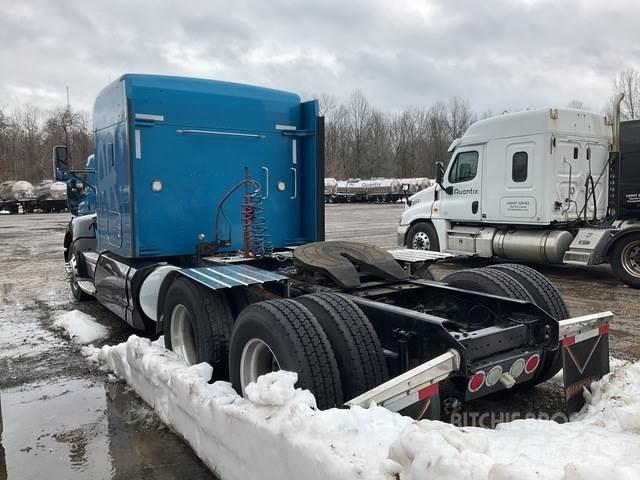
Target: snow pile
80,327
277,432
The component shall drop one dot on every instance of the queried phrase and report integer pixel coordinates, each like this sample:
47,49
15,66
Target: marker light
156,185
532,363
517,368
493,376
476,382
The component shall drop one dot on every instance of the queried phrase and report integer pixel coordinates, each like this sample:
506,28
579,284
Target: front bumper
402,234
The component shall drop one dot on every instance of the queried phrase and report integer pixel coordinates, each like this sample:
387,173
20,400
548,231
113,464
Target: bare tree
358,108
628,82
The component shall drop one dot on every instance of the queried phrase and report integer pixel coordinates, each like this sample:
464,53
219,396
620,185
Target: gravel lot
61,417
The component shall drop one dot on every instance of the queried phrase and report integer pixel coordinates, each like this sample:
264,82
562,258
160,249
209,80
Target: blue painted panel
150,136
113,172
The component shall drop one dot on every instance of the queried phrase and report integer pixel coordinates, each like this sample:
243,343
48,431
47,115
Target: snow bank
80,327
277,432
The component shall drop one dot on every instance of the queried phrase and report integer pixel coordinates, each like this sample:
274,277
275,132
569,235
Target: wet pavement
60,418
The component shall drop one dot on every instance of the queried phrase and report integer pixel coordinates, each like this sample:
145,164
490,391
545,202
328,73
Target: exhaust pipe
616,121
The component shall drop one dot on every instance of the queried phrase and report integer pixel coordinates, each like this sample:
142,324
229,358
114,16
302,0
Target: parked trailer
51,196
330,190
15,195
371,190
551,186
236,272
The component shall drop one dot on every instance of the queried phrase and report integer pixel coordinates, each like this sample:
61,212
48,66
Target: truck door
464,176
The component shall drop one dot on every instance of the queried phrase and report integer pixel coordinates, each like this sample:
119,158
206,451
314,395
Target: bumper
402,234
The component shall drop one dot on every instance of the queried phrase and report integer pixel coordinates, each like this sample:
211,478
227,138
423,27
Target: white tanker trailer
14,194
370,190
51,196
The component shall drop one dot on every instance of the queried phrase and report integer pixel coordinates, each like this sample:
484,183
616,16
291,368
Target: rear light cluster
497,373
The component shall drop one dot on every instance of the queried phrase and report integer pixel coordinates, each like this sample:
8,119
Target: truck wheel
423,236
493,282
355,343
547,297
625,259
75,272
197,325
424,274
284,335
542,291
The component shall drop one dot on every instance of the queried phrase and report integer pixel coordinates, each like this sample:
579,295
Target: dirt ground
62,417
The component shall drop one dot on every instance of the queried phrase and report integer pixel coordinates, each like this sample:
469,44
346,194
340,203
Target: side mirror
440,178
439,173
60,162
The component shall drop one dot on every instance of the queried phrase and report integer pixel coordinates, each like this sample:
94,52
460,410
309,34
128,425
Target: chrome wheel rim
73,273
630,257
257,359
182,337
421,241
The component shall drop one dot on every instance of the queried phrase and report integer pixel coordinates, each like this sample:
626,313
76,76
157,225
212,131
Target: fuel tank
540,246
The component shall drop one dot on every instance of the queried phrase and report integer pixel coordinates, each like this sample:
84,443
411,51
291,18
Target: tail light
476,382
532,363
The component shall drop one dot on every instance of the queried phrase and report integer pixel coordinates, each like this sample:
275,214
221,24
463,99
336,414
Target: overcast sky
499,54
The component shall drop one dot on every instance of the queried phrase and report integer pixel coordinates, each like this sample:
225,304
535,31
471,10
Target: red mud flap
585,355
416,391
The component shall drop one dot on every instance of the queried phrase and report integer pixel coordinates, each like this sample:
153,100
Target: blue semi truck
209,229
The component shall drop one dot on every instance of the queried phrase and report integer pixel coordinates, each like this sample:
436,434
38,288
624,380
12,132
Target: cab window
464,167
519,166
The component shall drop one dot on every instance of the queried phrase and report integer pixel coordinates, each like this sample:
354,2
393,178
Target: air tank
538,246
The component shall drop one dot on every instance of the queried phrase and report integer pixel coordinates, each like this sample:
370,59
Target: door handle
474,207
295,183
266,183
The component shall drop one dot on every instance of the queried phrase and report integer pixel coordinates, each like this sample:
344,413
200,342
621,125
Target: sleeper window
464,167
519,167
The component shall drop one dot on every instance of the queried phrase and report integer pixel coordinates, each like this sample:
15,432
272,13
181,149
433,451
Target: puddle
74,428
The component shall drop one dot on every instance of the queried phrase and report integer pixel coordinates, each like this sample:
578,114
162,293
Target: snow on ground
277,432
80,327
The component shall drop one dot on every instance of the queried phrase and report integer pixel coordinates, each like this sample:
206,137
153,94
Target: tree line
27,137
363,141
360,139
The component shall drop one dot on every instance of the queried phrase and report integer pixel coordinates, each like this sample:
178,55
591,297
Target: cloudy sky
500,54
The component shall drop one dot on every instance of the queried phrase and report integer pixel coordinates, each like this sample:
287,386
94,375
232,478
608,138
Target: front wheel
625,259
74,265
423,236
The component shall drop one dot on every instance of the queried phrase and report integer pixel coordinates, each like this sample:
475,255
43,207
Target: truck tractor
548,186
209,230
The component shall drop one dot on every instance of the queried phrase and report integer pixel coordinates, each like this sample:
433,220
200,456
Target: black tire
354,342
210,319
625,259
78,294
424,274
542,291
493,282
421,233
547,297
298,343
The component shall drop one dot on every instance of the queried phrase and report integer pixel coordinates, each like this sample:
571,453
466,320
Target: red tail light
532,363
476,382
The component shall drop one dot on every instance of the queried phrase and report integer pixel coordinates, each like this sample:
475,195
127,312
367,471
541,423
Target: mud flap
424,403
585,356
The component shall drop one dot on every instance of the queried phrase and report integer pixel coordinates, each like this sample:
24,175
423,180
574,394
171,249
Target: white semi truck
550,186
